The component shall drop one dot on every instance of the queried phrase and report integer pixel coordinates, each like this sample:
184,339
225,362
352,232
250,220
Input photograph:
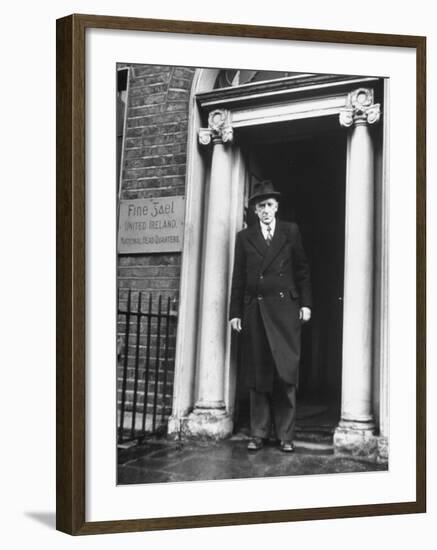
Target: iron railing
145,368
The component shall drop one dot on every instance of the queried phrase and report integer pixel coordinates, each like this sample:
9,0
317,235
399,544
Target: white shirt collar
264,228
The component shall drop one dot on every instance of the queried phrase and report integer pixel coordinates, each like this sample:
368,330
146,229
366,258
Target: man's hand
304,314
236,324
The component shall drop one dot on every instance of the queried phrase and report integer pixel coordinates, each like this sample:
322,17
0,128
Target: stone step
314,436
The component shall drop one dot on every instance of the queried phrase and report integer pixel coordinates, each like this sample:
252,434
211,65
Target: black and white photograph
252,273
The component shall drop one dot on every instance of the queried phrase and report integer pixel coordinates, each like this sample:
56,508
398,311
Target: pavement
159,460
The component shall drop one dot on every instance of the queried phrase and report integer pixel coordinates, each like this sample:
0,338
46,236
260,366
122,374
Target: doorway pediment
283,100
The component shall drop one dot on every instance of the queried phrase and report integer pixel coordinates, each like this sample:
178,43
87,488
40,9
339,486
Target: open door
310,173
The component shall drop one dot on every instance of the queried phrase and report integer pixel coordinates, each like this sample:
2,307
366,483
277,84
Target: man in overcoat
270,299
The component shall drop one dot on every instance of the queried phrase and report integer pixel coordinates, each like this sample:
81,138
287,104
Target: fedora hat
263,190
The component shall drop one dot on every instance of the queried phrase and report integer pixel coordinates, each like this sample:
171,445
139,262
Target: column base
356,439
382,456
174,427
206,423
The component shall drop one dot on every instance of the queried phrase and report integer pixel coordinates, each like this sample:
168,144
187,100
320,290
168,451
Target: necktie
269,235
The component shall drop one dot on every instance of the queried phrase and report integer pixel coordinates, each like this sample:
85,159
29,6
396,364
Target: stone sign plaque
151,225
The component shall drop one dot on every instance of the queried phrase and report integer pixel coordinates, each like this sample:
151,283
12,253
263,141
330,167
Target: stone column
355,433
209,418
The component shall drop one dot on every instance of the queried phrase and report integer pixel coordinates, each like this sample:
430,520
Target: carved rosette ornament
219,128
361,109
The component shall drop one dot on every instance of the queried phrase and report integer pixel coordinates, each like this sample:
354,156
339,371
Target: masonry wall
153,165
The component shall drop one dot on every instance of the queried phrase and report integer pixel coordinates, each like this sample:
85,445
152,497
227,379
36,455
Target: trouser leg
260,414
284,409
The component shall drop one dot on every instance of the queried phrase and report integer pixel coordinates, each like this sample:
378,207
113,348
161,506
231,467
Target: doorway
310,172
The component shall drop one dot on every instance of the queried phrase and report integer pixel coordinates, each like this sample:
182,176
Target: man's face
266,210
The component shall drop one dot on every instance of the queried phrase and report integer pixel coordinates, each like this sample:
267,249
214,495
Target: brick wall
154,165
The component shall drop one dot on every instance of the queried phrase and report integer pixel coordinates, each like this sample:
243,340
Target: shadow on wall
45,518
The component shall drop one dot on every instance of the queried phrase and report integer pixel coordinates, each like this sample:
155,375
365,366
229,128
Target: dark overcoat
269,286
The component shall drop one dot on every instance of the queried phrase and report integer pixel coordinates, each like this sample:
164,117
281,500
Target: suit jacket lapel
257,240
278,241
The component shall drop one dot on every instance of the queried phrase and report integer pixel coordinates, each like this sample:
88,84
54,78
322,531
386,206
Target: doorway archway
293,107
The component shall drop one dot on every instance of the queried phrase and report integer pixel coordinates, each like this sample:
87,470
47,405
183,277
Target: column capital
360,108
219,128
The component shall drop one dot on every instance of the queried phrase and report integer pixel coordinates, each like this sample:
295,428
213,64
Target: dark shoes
255,444
287,446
